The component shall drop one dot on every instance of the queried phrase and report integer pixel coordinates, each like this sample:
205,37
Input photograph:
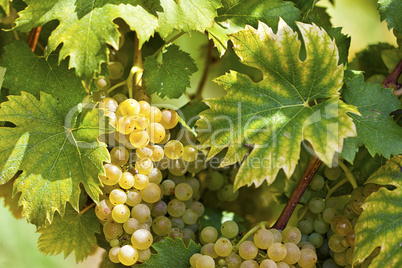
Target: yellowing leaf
380,223
56,154
72,232
296,100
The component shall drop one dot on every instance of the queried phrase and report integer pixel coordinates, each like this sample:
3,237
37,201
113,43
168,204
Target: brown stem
198,94
297,193
392,78
33,37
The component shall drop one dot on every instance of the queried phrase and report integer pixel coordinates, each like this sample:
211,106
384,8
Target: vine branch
297,193
392,79
198,94
33,37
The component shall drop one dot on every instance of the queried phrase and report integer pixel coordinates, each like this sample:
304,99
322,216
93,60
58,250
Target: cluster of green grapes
139,206
265,248
329,224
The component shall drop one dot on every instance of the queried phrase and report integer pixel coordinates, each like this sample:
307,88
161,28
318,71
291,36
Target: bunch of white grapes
266,248
138,207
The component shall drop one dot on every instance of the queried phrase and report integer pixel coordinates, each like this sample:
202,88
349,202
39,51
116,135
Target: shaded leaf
375,127
72,232
391,12
171,77
55,153
84,39
278,112
380,223
171,253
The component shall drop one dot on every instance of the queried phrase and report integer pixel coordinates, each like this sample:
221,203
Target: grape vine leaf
171,253
375,127
5,5
6,191
391,12
380,222
189,113
72,232
56,154
277,113
171,77
235,15
31,73
186,15
85,39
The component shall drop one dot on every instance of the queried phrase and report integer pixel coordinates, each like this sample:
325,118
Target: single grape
226,193
127,180
169,118
124,125
316,205
263,238
152,193
214,180
282,265
119,156
168,187
370,188
249,264
189,216
155,115
332,173
190,153
291,234
335,243
177,222
178,167
156,132
116,69
144,152
112,174
307,259
141,212
205,261
131,225
248,250
140,181
141,239
233,260
329,214
128,255
176,208
144,255
350,238
306,226
340,258
139,138
120,213
161,225
317,182
188,234
341,225
104,210
229,228
112,229
209,235
173,149
157,153
267,263
102,83
194,259
183,191
330,263
316,239
358,204
128,107
292,253
320,226
277,235
175,233
113,254
159,209
117,197
133,198
144,166
277,252
145,108
223,247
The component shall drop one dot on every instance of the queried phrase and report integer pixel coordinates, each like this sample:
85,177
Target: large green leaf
56,154
391,12
380,224
86,30
171,253
278,113
32,73
375,127
5,5
235,15
187,15
72,232
171,77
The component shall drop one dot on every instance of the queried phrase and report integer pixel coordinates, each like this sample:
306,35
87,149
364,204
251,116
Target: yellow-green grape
144,255
169,118
340,258
277,252
141,239
307,259
292,253
152,193
124,125
113,254
109,104
189,216
127,180
277,235
144,152
128,255
199,208
307,245
128,107
183,191
263,238
178,167
249,264
157,153
350,238
117,197
112,174
233,260
120,98
120,213
133,197
190,153
155,115
140,181
176,208
145,108
156,132
159,209
188,234
349,255
142,95
103,210
282,265
205,261
112,229
144,166
166,138
119,155
291,234
267,263
161,225
131,225
208,235
140,121
194,259
102,83
139,138
155,176
141,213
116,69
248,250
223,247
341,225
167,187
